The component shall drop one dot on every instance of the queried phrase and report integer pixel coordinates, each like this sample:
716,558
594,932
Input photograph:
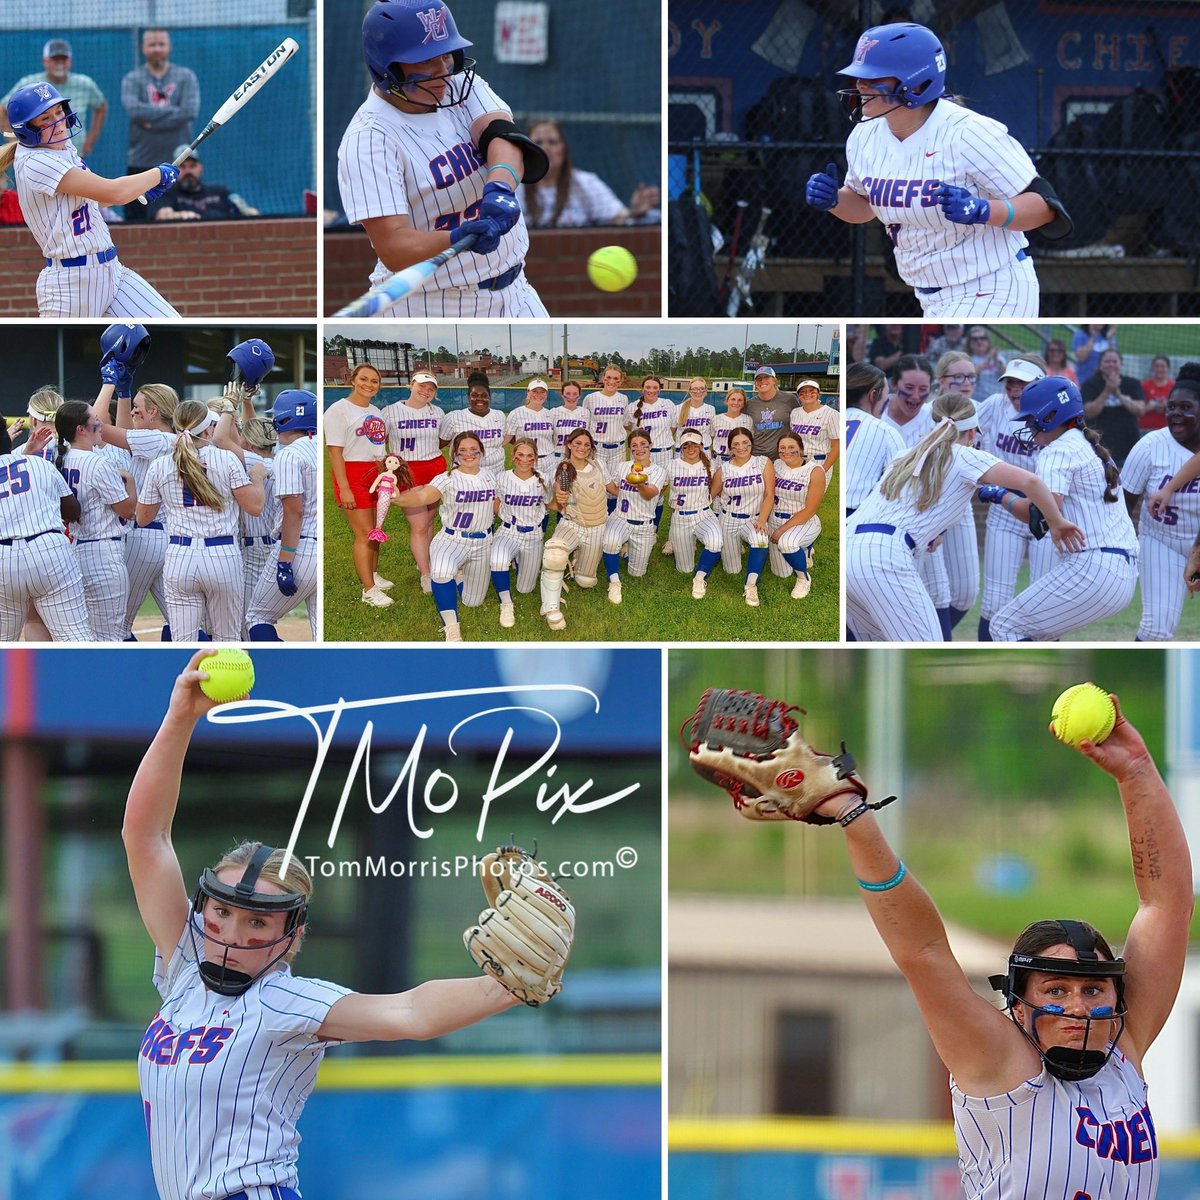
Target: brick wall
557,268
227,269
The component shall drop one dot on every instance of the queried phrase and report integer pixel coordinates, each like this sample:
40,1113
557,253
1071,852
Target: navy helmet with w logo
399,33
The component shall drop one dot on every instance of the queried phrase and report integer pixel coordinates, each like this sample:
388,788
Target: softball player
232,1054
906,408
794,524
532,420
356,438
568,416
464,543
875,444
1078,588
580,495
433,156
632,527
1006,541
522,498
747,496
695,412
954,190
480,419
606,419
925,491
193,487
61,202
818,425
289,576
655,414
1166,536
1047,1092
106,495
692,518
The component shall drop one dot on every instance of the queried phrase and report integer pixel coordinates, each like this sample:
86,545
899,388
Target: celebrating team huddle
588,485
209,508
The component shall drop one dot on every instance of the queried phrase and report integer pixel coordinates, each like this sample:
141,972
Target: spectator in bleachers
194,200
1112,403
566,197
1057,362
1088,345
162,100
952,337
989,362
856,344
87,100
887,347
1155,391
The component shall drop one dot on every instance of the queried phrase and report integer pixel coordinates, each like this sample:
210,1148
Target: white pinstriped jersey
489,429
468,501
658,419
900,179
224,1079
97,484
266,524
425,166
791,487
1071,468
65,226
723,427
606,416
522,501
1094,1139
536,423
566,421
914,430
296,475
412,432
181,513
817,430
998,433
699,419
1151,463
870,447
146,445
690,486
630,502
744,486
361,432
962,477
30,491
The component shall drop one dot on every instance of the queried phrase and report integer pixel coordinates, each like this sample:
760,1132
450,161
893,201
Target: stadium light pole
816,341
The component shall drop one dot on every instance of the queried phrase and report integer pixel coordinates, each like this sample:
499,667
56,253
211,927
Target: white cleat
556,619
751,594
384,585
803,583
377,597
614,591
508,618
427,584
452,631
699,586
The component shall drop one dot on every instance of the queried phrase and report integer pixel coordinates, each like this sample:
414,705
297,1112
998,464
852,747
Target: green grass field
658,607
1152,338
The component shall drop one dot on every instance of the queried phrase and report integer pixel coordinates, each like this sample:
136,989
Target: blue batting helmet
399,32
294,410
910,54
126,344
254,358
1048,403
29,102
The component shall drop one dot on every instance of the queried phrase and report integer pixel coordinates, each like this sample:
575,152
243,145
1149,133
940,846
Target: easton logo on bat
281,52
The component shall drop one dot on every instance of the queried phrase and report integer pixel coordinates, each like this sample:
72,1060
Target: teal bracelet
888,884
517,178
1012,212
288,549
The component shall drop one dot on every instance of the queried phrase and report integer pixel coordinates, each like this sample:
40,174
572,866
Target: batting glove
487,234
285,581
961,207
821,191
169,177
993,493
111,372
500,205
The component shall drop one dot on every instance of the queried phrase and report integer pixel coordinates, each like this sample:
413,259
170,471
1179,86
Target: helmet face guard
400,33
1063,1062
908,53
29,103
220,977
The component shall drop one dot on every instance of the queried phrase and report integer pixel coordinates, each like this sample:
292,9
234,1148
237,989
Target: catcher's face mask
1078,994
215,902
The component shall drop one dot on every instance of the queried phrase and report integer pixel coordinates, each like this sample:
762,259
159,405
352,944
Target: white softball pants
451,552
885,598
736,530
105,587
639,536
509,545
44,572
204,591
799,537
688,528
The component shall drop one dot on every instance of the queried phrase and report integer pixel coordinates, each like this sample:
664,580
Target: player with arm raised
433,157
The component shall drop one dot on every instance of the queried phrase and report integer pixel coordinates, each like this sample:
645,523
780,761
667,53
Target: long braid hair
528,441
188,415
637,410
707,463
1112,473
937,446
70,416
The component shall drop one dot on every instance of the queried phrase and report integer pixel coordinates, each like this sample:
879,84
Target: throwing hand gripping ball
230,675
612,268
1083,713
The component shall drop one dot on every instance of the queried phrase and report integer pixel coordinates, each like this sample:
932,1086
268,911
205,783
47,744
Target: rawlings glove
168,178
487,233
500,205
821,191
285,580
961,207
751,747
524,936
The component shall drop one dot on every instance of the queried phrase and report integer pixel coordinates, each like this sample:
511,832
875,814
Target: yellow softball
230,675
1083,713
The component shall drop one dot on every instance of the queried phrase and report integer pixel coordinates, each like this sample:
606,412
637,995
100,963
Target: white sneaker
668,549
508,618
556,620
751,594
452,631
427,584
614,591
382,584
803,583
699,586
376,597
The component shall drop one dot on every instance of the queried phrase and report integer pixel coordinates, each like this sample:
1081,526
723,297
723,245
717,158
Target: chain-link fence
265,155
1103,96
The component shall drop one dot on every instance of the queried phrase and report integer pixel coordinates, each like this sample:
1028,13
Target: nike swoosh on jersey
930,153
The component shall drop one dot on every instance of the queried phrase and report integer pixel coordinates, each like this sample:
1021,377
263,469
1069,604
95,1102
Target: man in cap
194,200
770,412
87,100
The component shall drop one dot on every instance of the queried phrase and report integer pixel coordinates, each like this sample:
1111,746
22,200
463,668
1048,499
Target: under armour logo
864,45
43,91
434,22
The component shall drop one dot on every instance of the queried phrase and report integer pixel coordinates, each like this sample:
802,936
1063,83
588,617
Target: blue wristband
1012,212
517,179
887,885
